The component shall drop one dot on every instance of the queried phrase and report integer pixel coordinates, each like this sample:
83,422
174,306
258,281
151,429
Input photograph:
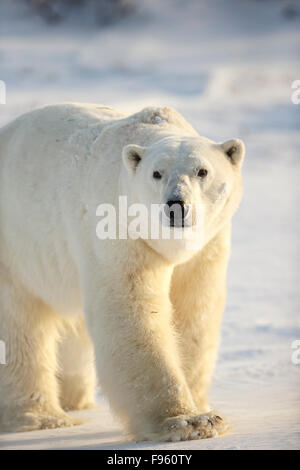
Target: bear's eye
202,173
157,175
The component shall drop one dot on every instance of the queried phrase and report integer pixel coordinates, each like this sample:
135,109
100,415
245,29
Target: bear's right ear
132,155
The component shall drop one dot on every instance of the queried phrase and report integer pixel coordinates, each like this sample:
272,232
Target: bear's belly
46,270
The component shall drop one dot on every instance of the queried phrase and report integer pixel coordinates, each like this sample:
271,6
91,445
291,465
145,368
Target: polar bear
147,312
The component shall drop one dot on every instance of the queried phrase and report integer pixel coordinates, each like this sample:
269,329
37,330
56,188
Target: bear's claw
183,428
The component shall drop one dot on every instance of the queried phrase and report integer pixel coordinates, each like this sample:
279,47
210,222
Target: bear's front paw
184,428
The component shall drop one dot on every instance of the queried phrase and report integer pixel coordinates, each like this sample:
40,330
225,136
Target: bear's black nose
176,212
175,201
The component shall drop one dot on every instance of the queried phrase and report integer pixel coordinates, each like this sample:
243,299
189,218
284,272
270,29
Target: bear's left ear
132,155
234,150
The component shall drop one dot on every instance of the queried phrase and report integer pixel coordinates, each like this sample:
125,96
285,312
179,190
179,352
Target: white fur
152,308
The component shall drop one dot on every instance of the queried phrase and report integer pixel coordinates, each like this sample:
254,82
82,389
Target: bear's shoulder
162,116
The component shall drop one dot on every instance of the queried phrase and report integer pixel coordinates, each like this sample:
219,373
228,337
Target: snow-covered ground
228,67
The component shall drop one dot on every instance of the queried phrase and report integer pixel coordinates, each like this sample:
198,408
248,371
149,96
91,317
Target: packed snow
228,67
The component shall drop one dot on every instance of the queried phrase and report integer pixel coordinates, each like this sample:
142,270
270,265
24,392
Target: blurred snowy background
228,67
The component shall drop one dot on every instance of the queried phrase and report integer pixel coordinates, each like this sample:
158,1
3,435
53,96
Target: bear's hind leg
29,397
77,373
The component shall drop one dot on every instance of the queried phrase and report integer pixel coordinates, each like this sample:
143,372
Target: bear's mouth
179,224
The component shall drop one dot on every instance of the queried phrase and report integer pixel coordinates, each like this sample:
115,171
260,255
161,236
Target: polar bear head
195,182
